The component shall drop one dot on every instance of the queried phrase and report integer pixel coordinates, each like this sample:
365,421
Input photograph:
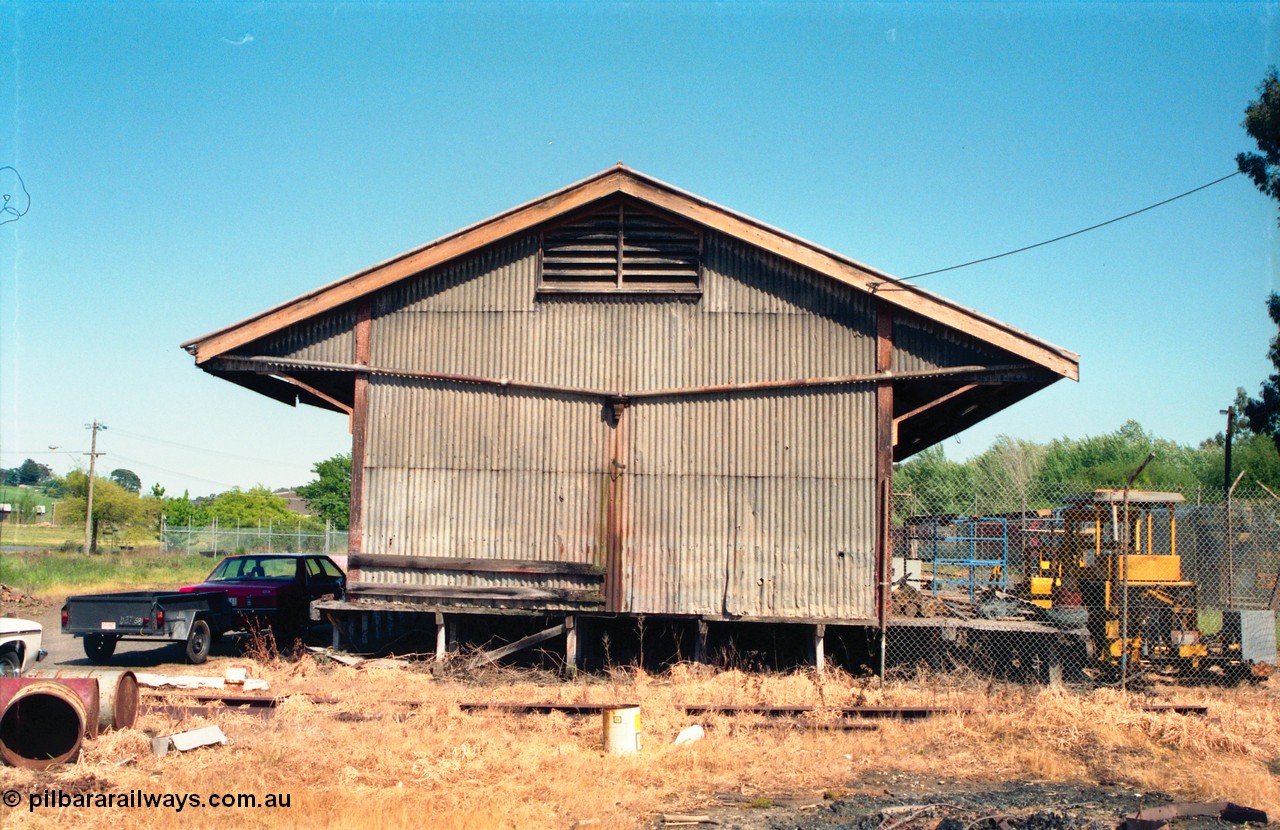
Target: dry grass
370,761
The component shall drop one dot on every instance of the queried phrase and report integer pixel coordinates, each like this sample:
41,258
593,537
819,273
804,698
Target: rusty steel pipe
85,687
43,722
118,695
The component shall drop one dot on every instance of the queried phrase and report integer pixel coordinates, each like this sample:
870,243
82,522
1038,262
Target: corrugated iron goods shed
625,399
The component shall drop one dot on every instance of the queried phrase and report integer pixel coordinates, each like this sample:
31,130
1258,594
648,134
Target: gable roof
623,180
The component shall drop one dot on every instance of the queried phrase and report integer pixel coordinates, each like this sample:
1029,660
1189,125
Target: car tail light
145,620
66,617
159,619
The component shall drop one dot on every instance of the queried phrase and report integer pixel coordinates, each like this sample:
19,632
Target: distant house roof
293,501
628,182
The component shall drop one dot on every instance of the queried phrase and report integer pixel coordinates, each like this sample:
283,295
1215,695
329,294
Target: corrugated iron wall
758,505
482,474
752,506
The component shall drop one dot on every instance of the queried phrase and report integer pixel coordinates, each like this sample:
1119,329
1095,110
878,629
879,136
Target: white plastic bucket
622,730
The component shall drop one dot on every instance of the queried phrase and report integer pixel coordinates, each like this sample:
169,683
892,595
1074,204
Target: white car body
21,638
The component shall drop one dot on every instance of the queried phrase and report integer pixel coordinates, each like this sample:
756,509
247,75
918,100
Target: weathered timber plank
518,645
452,563
489,592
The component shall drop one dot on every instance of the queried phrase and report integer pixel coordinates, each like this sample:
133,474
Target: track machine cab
1116,564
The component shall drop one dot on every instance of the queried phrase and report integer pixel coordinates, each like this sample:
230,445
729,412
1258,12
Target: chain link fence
219,539
1058,583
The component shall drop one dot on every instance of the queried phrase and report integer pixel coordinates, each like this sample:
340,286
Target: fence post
326,537
299,535
237,534
270,529
1231,575
190,516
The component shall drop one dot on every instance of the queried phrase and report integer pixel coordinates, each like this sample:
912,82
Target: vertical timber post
359,429
819,649
442,643
884,472
617,466
700,643
570,646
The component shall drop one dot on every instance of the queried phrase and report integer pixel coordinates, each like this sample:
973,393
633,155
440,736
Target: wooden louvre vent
621,247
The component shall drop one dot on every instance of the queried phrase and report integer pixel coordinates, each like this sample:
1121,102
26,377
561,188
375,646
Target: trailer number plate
107,626
135,621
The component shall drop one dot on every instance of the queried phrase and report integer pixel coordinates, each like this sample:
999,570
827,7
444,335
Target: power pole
93,457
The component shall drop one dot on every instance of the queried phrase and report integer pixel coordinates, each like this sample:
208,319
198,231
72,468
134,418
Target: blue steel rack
972,549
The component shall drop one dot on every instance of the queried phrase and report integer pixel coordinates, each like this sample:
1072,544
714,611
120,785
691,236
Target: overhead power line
147,465
219,453
1065,235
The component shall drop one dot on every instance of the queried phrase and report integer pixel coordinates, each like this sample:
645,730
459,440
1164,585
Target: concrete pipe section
42,724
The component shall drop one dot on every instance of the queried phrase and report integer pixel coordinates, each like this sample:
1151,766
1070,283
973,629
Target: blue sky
190,165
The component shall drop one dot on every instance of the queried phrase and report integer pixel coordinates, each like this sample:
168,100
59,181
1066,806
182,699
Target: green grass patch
14,495
1209,620
41,536
53,574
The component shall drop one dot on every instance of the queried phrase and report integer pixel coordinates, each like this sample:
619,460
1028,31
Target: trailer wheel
99,647
198,642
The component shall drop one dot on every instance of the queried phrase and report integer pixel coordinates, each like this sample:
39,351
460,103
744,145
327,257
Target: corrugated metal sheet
757,505
920,345
499,278
482,474
414,577
751,324
328,337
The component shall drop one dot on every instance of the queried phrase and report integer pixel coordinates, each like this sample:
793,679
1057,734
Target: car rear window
253,567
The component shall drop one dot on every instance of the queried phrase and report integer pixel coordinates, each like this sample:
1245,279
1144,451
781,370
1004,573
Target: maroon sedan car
275,589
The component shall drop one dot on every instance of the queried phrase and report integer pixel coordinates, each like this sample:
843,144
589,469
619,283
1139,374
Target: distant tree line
1014,473
28,473
119,503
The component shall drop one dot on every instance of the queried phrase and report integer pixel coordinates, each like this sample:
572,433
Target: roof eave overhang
933,415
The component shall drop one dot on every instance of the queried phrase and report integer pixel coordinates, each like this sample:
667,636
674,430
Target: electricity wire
1063,236
218,453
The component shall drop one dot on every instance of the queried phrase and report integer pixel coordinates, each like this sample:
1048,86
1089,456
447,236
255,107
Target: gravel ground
889,801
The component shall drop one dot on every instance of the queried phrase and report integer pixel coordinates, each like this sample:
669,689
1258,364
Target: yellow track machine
1115,568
